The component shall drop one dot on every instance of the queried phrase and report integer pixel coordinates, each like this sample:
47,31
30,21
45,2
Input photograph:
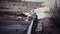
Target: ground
16,27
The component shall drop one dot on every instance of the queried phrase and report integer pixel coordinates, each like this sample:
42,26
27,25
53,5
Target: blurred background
14,16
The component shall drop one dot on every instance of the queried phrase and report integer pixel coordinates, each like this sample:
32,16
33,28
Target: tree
56,15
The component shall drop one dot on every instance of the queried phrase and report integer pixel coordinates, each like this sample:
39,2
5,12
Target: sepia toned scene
29,16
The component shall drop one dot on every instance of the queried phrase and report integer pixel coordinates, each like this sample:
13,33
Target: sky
40,11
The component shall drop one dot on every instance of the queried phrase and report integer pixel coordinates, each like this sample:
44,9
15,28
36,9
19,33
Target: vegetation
56,15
